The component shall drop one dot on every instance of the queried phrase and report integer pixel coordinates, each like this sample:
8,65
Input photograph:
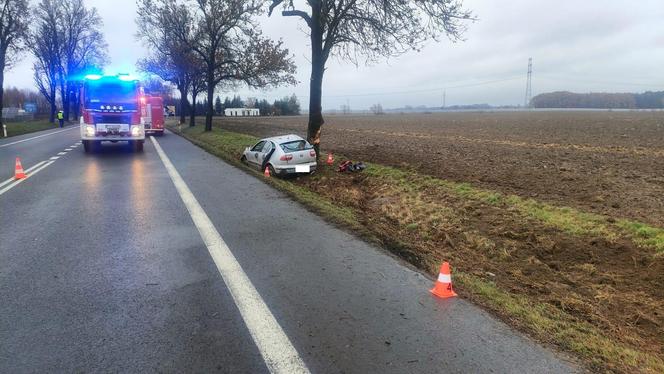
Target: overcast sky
582,46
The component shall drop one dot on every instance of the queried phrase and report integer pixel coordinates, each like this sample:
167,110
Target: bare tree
14,18
171,59
82,46
377,109
223,35
369,28
44,46
66,44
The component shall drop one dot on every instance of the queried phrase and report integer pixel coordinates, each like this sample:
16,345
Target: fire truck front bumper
112,132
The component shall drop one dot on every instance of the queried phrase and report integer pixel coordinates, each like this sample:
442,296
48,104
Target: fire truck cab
111,111
153,114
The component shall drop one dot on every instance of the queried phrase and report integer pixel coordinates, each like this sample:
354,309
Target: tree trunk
316,83
66,101
2,91
54,108
192,110
183,104
77,103
209,107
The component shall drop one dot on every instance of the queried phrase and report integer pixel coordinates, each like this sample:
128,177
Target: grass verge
415,220
20,128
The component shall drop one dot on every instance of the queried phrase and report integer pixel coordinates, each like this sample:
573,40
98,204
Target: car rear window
294,146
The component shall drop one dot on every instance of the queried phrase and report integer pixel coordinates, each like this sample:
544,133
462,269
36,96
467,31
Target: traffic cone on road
266,173
18,172
443,286
330,159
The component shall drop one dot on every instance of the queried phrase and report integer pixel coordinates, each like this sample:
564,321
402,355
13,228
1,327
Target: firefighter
61,118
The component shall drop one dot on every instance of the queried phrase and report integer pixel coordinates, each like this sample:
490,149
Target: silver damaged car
282,155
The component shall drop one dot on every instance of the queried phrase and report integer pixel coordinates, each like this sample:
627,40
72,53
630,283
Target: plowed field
604,162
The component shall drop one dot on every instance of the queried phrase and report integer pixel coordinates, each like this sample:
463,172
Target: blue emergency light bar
122,77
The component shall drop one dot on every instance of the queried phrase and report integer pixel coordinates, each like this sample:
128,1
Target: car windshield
294,146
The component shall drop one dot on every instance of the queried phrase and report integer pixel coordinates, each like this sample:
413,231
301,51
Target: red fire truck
153,114
111,111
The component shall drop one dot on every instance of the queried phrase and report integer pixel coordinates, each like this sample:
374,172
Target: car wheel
243,159
272,172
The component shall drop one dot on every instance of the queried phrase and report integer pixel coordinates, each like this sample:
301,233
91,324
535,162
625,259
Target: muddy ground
605,162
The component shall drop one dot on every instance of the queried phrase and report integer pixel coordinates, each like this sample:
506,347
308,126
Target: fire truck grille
112,119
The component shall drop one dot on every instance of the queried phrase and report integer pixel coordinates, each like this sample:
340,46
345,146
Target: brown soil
605,162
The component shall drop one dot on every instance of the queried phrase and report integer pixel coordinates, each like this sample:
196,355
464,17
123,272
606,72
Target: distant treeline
564,99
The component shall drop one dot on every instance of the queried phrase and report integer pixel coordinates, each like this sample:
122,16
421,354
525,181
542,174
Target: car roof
283,138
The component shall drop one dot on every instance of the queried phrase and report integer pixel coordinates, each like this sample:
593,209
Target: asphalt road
110,263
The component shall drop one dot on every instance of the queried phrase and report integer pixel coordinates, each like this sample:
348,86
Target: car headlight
135,131
89,130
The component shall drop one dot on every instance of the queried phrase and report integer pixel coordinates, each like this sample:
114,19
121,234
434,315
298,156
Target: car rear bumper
290,169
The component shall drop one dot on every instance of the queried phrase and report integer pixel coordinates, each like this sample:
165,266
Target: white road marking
26,171
32,173
54,158
38,136
67,149
62,153
278,352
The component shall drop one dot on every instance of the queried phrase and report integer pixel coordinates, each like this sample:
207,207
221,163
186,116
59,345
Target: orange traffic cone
443,286
330,159
266,173
18,172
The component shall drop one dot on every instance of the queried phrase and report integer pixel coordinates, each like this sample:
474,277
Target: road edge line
35,137
277,350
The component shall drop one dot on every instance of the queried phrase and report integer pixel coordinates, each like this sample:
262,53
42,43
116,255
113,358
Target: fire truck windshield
111,93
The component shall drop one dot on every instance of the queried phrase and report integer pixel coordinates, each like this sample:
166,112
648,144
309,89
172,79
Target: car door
255,156
268,149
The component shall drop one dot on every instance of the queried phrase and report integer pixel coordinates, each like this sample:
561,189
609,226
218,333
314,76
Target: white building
241,112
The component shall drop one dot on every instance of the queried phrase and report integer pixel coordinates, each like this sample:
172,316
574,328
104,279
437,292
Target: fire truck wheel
139,146
86,145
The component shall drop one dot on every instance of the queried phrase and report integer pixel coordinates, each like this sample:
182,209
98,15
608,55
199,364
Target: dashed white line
278,352
38,136
68,149
54,158
26,171
62,153
32,173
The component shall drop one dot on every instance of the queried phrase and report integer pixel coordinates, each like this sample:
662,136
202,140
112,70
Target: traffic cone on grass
443,286
330,159
266,173
18,172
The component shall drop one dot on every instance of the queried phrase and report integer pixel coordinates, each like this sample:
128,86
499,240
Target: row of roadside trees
203,46
206,45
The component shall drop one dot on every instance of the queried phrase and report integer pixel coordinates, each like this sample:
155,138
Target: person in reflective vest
61,118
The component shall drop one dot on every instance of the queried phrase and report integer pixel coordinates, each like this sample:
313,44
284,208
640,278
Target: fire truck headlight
89,130
135,130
